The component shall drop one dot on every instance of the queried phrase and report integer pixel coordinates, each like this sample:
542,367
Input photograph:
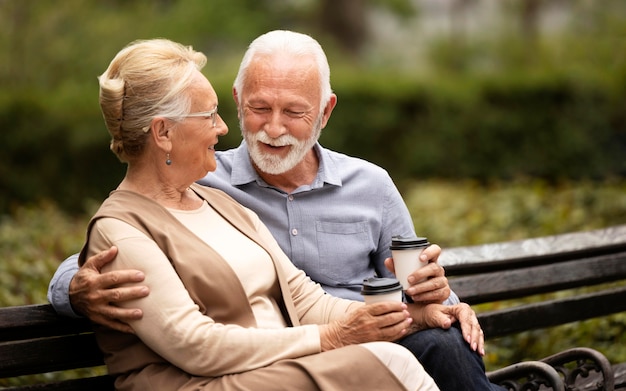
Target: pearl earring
168,161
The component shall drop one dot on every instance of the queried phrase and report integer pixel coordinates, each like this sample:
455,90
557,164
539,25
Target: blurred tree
14,15
348,23
400,78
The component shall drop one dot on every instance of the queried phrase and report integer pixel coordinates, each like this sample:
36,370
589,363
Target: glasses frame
211,113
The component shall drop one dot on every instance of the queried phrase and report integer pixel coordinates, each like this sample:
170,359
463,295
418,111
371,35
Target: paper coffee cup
405,253
375,290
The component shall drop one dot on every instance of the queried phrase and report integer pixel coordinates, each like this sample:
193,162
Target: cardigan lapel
234,213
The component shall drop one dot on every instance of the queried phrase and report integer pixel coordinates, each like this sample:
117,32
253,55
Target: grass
35,239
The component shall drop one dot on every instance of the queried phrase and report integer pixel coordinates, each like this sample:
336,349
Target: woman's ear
161,133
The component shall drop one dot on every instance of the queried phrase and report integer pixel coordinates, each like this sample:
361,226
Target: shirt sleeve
397,220
172,324
59,288
452,299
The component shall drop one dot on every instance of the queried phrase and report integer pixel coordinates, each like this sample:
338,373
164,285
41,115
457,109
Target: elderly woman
227,310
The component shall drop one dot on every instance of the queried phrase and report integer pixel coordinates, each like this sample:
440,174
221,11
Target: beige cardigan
206,275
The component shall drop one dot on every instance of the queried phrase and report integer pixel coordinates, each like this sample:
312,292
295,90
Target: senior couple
198,269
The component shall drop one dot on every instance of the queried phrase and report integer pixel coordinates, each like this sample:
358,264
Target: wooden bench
34,340
520,269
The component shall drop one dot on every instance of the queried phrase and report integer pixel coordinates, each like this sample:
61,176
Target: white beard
274,164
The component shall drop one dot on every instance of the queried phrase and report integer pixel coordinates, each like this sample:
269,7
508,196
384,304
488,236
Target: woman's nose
221,125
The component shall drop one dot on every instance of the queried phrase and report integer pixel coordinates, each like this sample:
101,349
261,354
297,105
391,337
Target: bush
551,127
508,127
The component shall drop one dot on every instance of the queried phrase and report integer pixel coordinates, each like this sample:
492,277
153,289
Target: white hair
287,42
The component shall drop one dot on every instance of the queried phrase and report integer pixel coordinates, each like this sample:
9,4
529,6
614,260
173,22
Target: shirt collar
243,172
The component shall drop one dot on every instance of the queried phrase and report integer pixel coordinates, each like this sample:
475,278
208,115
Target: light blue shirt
338,229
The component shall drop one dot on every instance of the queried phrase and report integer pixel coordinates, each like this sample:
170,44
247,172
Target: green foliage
495,127
467,212
504,105
33,242
543,127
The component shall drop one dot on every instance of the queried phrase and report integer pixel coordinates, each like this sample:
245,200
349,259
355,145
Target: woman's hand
387,321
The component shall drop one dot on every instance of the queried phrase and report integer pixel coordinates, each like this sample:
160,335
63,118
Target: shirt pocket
344,249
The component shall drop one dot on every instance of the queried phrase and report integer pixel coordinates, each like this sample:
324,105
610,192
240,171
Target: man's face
279,112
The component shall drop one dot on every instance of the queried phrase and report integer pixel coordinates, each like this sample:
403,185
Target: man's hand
437,315
94,295
433,287
385,321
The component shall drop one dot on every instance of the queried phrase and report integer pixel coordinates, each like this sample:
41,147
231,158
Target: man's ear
328,109
236,99
235,96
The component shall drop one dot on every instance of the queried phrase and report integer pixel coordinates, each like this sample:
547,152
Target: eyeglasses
211,114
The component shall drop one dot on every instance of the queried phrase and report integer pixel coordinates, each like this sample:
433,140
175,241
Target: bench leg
527,376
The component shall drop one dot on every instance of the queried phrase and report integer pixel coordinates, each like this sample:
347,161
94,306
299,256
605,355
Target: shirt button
294,232
290,198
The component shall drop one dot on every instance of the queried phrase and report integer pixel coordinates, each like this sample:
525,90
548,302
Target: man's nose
275,127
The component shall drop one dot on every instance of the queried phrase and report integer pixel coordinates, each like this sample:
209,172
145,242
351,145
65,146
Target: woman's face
195,137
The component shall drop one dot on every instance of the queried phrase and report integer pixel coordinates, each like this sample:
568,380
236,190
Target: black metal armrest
528,376
583,369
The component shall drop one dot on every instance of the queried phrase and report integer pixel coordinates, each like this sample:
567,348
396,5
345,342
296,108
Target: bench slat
37,320
508,284
49,355
98,383
552,313
533,251
620,376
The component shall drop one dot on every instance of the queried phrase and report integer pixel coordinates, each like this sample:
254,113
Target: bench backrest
34,339
519,269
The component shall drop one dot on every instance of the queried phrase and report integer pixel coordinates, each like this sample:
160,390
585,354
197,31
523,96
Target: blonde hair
147,78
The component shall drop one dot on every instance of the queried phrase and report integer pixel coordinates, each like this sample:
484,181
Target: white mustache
281,141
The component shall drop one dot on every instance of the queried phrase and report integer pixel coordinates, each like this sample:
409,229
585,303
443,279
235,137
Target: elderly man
332,214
